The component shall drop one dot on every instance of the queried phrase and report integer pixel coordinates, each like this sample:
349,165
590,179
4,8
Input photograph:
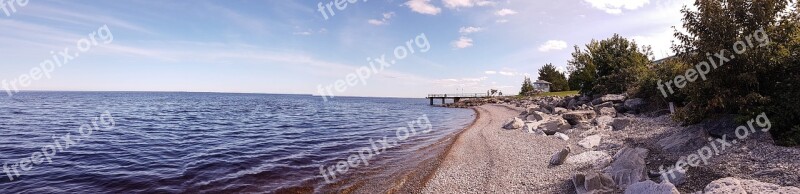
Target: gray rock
594,183
533,127
620,107
561,136
576,117
555,124
514,123
607,111
722,125
560,157
628,166
635,105
597,159
650,187
676,177
604,122
735,185
621,124
559,110
535,116
590,142
686,140
605,104
615,98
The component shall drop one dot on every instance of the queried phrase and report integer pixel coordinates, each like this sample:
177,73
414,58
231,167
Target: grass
560,94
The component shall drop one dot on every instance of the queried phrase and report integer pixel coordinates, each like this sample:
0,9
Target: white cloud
462,42
423,7
616,6
452,4
501,21
490,72
553,45
382,21
506,73
505,12
469,30
462,82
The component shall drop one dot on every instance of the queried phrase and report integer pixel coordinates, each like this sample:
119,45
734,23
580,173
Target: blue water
199,142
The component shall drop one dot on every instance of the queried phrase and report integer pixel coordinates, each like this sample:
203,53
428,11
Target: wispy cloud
452,4
469,30
616,6
423,7
553,45
462,42
505,12
382,21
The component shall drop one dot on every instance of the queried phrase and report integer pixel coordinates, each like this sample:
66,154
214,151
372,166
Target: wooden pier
455,97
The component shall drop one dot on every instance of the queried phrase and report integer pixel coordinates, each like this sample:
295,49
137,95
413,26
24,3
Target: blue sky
287,46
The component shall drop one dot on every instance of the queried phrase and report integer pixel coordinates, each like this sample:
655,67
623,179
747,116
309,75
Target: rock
560,157
620,107
585,98
687,140
533,127
561,136
597,159
555,124
576,117
628,166
559,110
605,104
636,105
735,185
584,126
590,142
621,124
722,125
604,123
650,187
676,177
614,98
535,116
514,123
607,111
594,183
572,104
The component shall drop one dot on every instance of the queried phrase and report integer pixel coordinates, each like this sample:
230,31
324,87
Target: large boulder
614,98
533,127
577,117
735,185
621,124
594,183
687,140
590,142
597,159
605,104
650,187
607,111
721,125
635,105
628,166
555,124
513,123
604,123
560,157
535,116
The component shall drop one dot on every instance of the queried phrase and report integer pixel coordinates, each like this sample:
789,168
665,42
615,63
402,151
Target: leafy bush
558,80
610,66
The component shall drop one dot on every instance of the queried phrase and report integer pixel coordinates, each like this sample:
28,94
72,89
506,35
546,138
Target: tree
609,66
527,87
763,78
558,80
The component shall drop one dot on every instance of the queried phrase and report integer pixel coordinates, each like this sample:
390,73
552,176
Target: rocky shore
608,144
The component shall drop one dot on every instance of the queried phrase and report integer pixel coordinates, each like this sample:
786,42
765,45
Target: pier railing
463,95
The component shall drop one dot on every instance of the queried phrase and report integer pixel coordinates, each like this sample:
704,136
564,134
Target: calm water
201,142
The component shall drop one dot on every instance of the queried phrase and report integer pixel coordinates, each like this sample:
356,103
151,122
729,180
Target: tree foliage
763,78
527,88
558,80
611,66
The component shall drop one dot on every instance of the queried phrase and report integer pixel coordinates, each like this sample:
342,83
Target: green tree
763,78
611,66
558,80
527,87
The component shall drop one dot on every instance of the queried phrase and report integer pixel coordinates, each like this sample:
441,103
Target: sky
294,47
